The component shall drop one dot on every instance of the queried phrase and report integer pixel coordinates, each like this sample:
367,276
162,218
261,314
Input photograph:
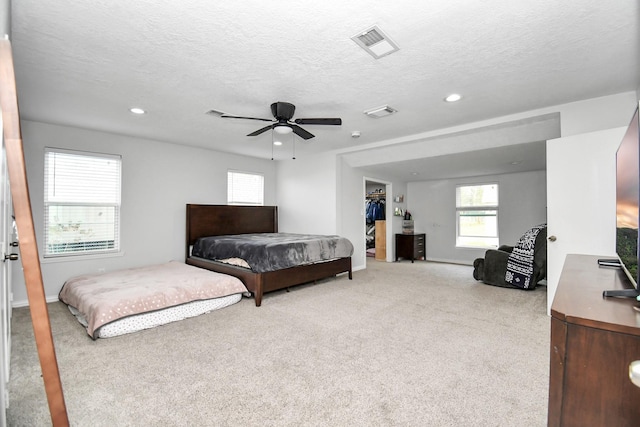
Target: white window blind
244,188
81,203
477,215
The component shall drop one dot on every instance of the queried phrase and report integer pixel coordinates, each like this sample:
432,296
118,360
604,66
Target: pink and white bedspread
99,300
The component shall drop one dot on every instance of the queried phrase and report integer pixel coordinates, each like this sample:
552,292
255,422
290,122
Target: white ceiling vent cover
382,111
375,42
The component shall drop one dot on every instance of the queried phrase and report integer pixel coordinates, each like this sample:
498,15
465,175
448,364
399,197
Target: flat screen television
627,204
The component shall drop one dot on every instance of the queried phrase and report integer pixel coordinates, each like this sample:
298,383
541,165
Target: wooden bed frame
215,220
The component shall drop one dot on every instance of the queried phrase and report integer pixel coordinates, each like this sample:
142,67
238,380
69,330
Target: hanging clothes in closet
375,209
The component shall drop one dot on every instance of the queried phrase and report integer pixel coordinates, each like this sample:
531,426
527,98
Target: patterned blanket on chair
520,262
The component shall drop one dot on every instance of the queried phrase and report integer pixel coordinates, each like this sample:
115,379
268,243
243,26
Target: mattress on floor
125,295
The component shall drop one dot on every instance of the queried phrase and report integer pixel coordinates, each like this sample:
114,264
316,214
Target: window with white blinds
477,215
81,203
244,188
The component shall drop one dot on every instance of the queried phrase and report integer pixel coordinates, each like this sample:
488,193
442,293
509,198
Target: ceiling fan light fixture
283,129
283,124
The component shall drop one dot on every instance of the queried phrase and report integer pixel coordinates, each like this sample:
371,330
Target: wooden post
26,232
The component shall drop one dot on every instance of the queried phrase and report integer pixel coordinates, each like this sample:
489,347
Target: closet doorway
377,220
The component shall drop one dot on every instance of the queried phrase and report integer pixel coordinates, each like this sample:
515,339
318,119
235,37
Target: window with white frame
477,215
81,203
245,188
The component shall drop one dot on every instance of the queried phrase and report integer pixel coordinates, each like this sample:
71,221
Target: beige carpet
401,344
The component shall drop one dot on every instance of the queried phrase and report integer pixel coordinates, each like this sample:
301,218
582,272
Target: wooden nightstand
410,246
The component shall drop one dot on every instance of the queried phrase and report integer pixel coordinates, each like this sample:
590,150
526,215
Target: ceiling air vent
375,42
385,110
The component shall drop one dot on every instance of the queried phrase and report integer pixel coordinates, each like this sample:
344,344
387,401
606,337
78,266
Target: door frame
388,215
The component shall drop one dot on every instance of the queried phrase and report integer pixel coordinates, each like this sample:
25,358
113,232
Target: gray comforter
273,251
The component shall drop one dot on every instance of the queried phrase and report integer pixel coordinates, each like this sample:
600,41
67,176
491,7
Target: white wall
596,114
351,212
522,205
307,194
581,171
158,180
5,17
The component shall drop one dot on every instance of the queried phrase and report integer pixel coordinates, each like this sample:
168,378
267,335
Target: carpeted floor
402,344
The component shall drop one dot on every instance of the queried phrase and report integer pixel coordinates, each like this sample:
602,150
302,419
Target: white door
581,199
6,239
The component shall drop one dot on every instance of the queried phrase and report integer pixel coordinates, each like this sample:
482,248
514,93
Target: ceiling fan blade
334,121
301,132
229,116
262,130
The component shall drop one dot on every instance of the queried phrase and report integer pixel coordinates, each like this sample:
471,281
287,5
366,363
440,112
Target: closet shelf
376,195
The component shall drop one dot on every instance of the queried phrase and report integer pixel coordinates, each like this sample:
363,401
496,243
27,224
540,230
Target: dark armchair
492,269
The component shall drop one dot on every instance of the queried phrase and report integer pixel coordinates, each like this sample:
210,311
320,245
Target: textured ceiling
85,63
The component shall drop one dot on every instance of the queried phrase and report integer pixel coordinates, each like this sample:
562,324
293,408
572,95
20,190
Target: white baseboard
449,261
25,303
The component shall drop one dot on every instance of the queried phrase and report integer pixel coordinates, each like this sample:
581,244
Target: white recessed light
277,143
453,97
136,110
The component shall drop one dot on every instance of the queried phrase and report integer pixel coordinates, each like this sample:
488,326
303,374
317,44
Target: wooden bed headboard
215,220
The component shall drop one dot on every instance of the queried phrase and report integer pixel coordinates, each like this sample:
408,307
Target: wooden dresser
410,246
593,341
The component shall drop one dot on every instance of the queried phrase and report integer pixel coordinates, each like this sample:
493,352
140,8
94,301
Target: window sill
70,258
476,247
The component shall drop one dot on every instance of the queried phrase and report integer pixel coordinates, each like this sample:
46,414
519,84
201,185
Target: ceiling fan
282,123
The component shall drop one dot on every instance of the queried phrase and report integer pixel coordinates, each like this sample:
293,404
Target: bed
130,300
205,221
